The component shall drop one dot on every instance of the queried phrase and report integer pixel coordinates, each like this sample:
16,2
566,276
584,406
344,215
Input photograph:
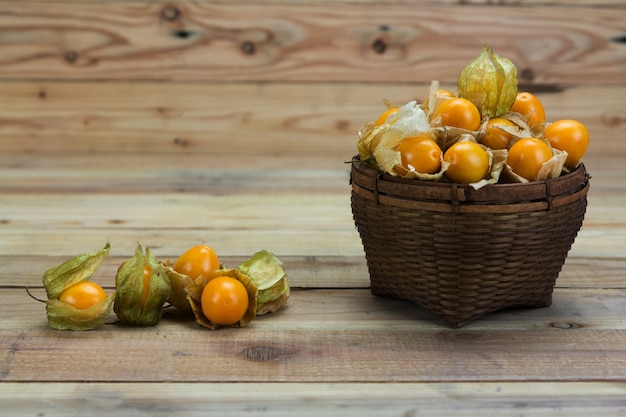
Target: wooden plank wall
109,95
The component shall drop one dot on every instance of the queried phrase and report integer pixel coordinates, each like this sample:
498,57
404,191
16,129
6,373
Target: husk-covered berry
267,273
490,82
143,288
63,316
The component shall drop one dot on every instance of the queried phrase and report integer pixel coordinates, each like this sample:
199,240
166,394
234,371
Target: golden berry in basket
457,112
384,115
570,136
529,106
495,137
419,154
469,162
527,156
439,96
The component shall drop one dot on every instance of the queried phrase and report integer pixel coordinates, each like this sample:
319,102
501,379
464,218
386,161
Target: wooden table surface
180,123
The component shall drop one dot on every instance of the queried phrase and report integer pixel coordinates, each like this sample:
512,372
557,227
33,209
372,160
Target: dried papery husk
76,269
447,136
133,305
368,143
521,129
552,168
269,276
435,98
194,296
63,316
497,161
369,134
409,120
490,82
178,283
411,173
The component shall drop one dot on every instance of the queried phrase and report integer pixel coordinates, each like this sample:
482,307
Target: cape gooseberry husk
194,296
178,282
143,288
490,82
267,273
63,316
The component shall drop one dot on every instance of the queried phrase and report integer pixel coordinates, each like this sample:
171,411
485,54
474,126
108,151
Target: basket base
455,317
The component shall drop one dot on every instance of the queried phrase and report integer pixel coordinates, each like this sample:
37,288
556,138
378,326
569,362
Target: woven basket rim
451,197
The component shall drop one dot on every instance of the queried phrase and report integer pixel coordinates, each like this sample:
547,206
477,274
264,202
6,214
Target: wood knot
181,142
182,33
527,74
379,46
265,353
248,47
619,39
70,57
564,325
613,120
170,13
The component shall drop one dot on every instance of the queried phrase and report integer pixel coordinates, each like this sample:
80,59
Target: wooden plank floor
228,123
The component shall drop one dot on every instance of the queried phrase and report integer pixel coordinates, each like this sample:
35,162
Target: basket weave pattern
462,253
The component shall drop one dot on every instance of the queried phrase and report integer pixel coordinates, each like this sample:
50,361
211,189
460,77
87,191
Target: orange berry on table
200,260
224,301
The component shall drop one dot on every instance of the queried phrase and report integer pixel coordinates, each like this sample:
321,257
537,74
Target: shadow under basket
463,253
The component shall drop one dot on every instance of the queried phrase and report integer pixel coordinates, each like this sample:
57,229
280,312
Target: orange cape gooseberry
200,260
527,156
384,115
83,294
495,137
421,153
224,301
469,162
529,106
570,136
458,112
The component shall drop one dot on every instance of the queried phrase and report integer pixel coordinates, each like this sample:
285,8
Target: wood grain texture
323,331
148,136
214,120
308,272
328,399
289,225
172,123
298,41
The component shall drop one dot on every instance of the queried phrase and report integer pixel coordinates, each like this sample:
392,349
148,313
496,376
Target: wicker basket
462,253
